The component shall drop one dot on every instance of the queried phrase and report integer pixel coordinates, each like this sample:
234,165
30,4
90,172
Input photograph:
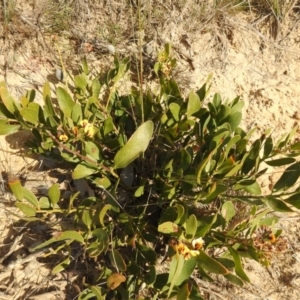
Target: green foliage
190,175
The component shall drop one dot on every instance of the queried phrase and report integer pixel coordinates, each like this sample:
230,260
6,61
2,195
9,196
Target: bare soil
240,49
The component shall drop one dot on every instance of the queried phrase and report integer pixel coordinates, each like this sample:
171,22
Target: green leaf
180,214
76,113
31,113
201,167
161,280
148,255
103,213
102,238
71,235
220,188
54,194
295,146
184,292
234,119
288,178
122,69
187,270
6,128
48,108
253,189
92,150
238,264
8,100
30,197
228,211
168,228
204,227
81,82
47,91
194,104
280,162
217,99
117,260
65,101
102,182
88,294
175,110
16,188
85,66
97,292
224,111
136,145
294,200
191,226
232,142
268,147
108,126
139,191
61,266
276,204
211,265
150,277
249,185
66,235
82,170
234,279
175,271
28,210
44,203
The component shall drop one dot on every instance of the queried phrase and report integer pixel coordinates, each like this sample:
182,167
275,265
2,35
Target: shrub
176,182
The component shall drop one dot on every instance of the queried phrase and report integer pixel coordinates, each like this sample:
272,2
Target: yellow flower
63,137
75,130
84,122
198,243
180,247
194,252
89,130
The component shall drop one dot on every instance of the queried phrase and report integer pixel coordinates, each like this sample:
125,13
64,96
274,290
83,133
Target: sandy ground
264,71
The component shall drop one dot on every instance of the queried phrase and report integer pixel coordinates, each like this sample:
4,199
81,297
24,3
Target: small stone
111,49
59,74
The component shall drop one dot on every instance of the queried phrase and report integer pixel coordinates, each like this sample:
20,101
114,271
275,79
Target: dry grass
128,25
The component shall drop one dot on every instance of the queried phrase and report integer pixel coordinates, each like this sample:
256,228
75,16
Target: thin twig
86,159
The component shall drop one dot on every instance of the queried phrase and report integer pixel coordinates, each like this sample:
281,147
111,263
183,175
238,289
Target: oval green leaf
194,104
6,128
30,197
28,210
117,260
31,113
71,235
168,228
211,265
228,211
54,193
82,171
65,101
137,144
191,226
288,178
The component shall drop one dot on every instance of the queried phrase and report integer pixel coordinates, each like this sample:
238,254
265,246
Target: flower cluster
88,128
185,250
264,240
